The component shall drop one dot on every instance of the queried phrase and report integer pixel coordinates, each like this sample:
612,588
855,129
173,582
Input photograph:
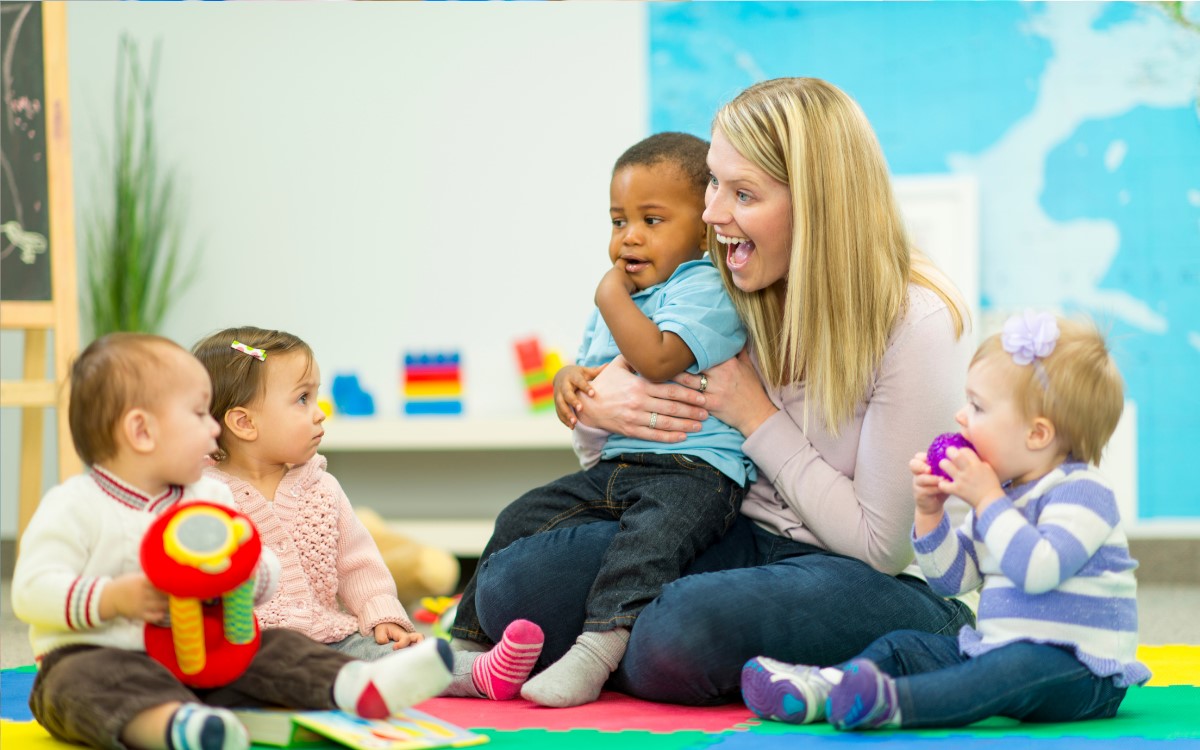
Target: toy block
535,378
438,390
439,359
552,363
420,374
425,408
529,354
350,398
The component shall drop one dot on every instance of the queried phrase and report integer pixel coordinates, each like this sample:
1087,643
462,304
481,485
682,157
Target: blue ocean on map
946,86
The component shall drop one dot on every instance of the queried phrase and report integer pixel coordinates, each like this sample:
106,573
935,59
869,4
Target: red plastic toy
204,556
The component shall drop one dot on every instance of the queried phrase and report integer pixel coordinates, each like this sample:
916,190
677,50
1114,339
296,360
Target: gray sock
580,674
461,683
461,644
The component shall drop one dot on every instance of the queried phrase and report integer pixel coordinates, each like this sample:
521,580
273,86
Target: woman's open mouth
737,251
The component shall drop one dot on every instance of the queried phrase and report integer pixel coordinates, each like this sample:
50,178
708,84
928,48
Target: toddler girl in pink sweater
334,586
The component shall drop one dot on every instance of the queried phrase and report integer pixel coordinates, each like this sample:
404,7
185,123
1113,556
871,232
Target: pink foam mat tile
613,712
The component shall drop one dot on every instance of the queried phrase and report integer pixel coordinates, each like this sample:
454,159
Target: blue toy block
430,408
349,398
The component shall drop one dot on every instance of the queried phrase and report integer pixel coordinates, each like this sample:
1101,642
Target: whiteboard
942,216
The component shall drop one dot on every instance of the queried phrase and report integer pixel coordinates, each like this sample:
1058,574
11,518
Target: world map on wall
1080,123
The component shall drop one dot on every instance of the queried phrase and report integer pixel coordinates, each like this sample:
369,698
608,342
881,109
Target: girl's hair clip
259,354
1029,336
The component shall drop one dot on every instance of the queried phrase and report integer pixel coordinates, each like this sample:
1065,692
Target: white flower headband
1030,337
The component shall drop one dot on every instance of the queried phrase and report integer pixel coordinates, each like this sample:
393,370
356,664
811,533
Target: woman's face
751,212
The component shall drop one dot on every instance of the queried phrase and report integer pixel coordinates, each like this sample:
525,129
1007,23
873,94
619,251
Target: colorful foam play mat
1167,710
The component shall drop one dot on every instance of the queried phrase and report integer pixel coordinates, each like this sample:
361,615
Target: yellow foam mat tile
1171,665
28,735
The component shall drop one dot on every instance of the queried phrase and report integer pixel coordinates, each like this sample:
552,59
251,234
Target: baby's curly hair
239,378
685,151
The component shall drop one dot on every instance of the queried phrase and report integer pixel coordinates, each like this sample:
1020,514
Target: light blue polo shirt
693,305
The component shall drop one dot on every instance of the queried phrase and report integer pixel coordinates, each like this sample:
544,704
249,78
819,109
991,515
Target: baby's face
993,422
290,423
187,433
656,223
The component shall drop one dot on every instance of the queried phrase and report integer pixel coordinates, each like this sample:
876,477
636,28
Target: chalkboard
24,204
38,290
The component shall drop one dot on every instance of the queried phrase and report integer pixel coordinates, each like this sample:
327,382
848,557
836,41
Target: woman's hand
733,393
625,404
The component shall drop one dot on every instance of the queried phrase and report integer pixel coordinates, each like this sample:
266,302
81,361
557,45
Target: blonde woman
855,362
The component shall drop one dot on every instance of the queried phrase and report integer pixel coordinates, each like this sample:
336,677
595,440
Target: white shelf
464,537
449,433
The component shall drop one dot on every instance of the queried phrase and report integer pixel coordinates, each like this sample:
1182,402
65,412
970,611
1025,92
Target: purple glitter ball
937,450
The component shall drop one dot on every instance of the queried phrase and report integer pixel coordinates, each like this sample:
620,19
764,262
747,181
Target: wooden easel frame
38,390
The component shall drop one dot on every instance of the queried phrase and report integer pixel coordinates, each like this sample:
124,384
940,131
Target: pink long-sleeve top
852,494
333,580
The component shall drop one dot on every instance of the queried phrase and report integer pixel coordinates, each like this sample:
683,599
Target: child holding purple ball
1056,637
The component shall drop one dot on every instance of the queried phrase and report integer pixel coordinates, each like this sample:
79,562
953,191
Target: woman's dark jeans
752,593
671,507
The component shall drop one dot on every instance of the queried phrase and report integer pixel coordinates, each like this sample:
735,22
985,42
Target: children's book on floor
409,730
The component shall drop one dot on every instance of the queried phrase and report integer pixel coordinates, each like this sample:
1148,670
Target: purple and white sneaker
865,698
793,693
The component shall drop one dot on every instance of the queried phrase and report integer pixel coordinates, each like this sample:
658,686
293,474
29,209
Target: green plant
135,257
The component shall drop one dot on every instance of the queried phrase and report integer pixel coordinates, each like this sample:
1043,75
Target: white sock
378,689
578,677
195,726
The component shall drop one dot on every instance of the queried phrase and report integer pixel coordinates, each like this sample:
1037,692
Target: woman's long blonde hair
828,322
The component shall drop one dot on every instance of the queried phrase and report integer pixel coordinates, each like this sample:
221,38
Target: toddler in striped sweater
1056,636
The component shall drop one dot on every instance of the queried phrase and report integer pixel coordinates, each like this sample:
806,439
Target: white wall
376,177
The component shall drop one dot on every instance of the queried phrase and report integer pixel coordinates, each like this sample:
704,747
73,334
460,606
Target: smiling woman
855,361
743,203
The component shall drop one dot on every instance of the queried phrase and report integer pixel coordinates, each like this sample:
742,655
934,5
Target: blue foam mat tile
900,740
15,685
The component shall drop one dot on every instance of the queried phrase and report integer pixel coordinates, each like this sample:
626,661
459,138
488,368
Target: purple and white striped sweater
1053,563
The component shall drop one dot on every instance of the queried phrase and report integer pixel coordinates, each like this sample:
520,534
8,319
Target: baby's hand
926,492
971,478
931,501
618,278
568,382
390,631
133,596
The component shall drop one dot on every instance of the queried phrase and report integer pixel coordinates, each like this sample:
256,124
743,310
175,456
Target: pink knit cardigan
326,555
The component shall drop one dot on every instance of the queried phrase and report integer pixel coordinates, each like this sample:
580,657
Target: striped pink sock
499,673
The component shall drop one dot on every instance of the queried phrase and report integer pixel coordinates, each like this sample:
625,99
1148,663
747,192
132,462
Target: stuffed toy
419,570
